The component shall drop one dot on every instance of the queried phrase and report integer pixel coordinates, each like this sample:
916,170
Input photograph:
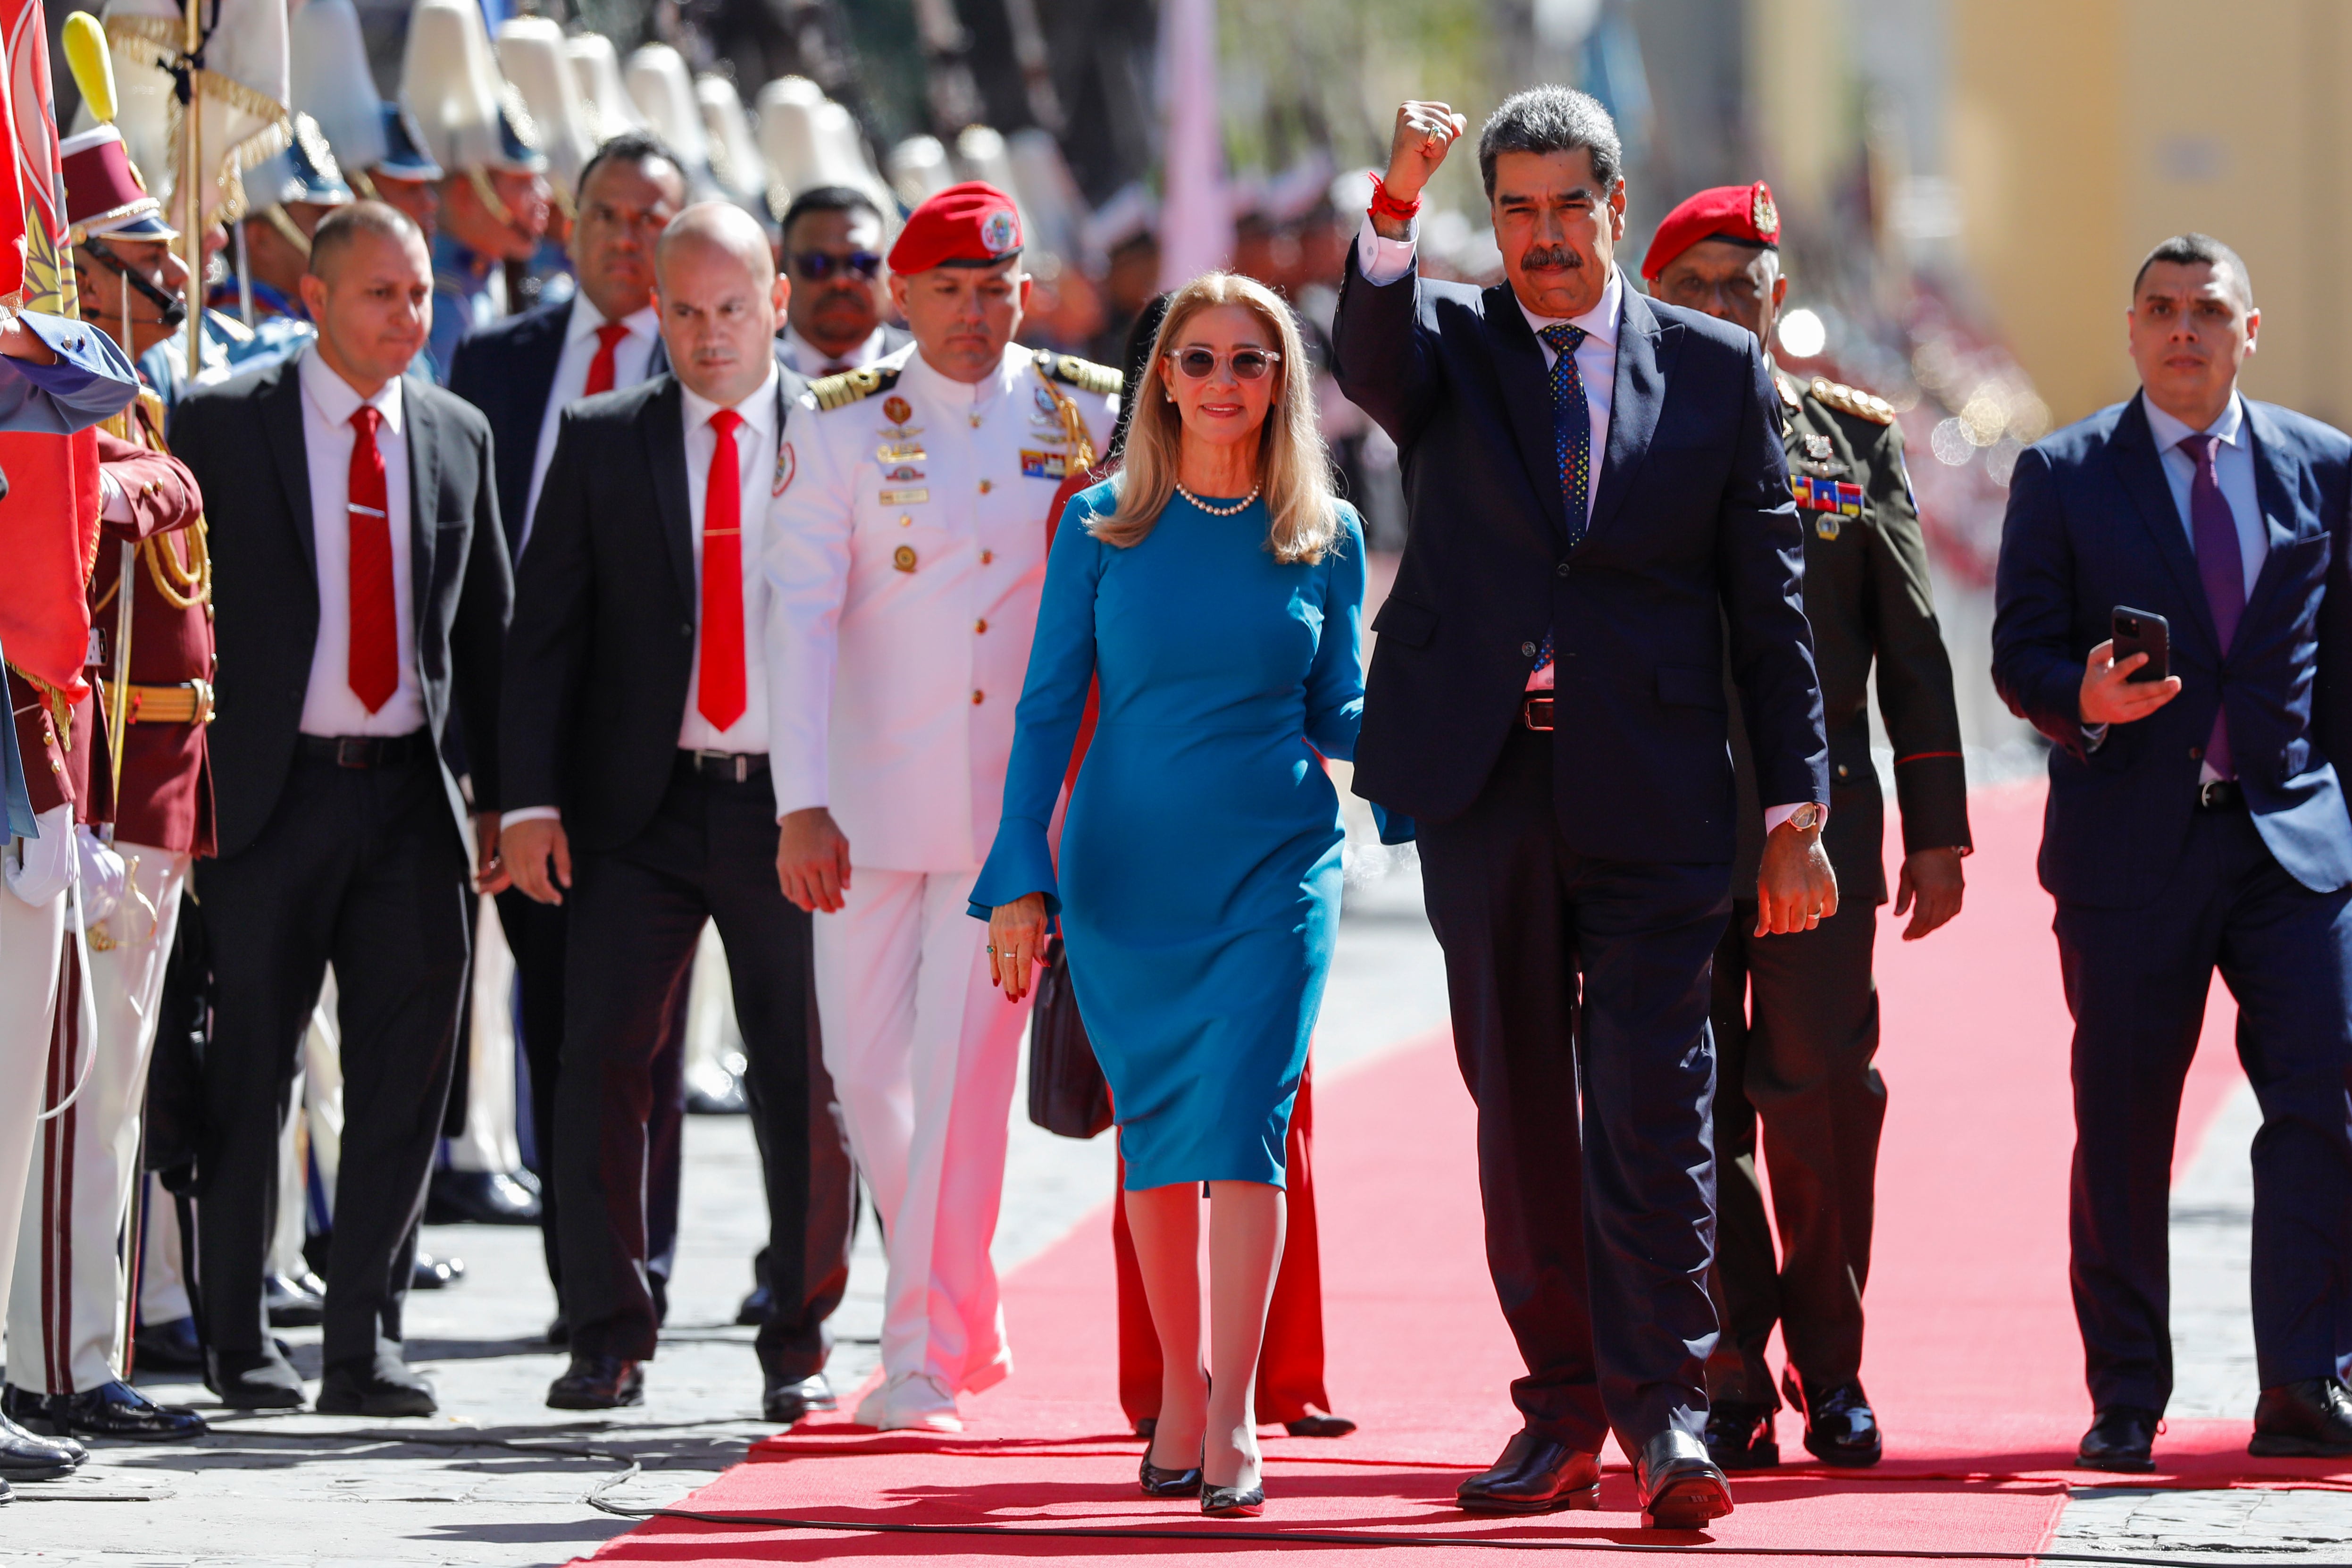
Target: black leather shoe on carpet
119,1411
755,1310
1739,1436
1319,1424
786,1399
2309,1419
1841,1429
29,1456
265,1381
170,1346
382,1386
1679,1487
296,1302
1535,1475
597,1383
482,1197
2122,1439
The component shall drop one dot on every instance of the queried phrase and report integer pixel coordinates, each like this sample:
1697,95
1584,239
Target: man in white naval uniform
905,555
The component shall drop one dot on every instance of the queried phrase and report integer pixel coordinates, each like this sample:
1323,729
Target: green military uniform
1796,1016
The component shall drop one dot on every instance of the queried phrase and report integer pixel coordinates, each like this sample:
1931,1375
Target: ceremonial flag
49,520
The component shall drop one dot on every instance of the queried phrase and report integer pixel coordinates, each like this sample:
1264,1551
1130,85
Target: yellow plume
91,63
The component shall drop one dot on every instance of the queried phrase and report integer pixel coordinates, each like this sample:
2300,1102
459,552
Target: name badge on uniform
905,498
1045,465
901,452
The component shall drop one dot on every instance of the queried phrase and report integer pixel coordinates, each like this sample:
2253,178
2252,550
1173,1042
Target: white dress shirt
1383,261
812,362
330,707
632,356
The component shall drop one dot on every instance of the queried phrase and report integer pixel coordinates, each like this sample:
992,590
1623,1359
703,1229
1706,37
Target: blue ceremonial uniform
462,301
91,380
231,348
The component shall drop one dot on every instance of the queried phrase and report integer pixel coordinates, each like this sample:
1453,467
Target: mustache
1551,258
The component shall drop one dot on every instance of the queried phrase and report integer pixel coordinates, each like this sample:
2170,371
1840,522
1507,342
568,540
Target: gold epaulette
1787,389
851,385
1083,374
1853,400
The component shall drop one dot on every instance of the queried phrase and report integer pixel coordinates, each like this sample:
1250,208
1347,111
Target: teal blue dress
1199,891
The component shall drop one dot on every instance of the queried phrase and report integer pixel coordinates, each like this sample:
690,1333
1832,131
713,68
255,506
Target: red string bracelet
1388,206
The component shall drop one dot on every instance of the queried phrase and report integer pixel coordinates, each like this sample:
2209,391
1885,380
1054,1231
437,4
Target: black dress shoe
597,1383
2311,1420
787,1399
170,1346
1231,1502
25,1456
1739,1436
265,1381
381,1385
1319,1425
118,1410
1535,1475
432,1273
298,1302
2122,1439
1679,1487
1840,1428
480,1197
755,1310
1157,1482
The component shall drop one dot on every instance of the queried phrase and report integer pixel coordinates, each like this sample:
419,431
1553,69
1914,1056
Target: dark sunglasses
1248,364
816,266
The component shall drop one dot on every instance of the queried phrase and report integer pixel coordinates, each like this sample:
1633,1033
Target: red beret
1743,213
972,224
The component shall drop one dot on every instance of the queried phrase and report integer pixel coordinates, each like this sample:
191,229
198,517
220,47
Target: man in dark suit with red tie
2196,822
362,595
1602,513
637,739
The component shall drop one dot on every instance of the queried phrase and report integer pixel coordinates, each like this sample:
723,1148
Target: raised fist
1424,133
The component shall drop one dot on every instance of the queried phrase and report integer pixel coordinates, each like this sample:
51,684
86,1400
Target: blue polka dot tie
1571,435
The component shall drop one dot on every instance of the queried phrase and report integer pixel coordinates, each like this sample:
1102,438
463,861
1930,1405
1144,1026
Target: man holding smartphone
2196,822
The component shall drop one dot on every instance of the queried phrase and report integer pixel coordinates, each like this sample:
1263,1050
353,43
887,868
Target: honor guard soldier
380,145
67,1358
907,556
291,192
1796,1016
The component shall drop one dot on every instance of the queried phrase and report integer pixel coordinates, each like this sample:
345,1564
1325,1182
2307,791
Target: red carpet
1974,1363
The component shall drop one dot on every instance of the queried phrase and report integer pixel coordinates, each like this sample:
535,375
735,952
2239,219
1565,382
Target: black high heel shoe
1231,1502
1157,1482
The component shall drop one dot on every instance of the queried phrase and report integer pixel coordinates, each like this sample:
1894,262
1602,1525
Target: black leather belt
1534,712
369,751
724,767
2221,795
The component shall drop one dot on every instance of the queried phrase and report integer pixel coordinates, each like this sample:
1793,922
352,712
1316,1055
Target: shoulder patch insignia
1085,374
1787,389
1853,400
850,386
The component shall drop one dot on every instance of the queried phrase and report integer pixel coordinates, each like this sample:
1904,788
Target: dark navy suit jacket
1694,534
2092,526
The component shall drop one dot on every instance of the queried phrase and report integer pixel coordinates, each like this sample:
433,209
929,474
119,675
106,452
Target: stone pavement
498,1478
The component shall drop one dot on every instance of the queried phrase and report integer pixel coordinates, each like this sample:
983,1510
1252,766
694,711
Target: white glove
102,876
38,868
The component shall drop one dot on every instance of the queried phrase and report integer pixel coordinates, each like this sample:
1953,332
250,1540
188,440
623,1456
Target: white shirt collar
1598,323
809,359
336,400
2170,431
759,410
586,319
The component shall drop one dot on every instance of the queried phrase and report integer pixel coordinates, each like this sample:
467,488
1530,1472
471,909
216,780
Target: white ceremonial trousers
65,1308
905,555
31,942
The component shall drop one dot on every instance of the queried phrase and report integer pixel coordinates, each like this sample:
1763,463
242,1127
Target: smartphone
2143,631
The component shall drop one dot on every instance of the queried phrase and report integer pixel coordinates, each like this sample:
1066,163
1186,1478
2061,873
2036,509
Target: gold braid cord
155,41
183,586
61,710
1074,424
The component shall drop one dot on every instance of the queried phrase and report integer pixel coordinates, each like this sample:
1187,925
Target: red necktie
375,667
599,368
720,692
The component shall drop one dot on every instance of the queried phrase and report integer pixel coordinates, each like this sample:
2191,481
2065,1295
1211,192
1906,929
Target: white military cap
472,120
596,72
531,51
664,94
735,161
918,170
332,83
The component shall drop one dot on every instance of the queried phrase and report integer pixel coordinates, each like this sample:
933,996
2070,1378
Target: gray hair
1552,120
2192,248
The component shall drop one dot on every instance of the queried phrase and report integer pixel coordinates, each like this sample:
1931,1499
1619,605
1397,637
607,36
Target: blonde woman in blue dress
1215,587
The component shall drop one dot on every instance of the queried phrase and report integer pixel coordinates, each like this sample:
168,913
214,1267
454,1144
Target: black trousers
362,868
535,934
1796,1028
2136,981
637,914
832,1191
1600,1227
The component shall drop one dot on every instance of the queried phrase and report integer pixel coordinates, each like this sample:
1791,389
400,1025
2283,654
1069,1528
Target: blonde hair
1294,470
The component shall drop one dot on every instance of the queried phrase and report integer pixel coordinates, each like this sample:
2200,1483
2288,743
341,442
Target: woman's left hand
1017,942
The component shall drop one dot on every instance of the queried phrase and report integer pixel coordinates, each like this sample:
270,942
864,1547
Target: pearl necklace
1235,509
